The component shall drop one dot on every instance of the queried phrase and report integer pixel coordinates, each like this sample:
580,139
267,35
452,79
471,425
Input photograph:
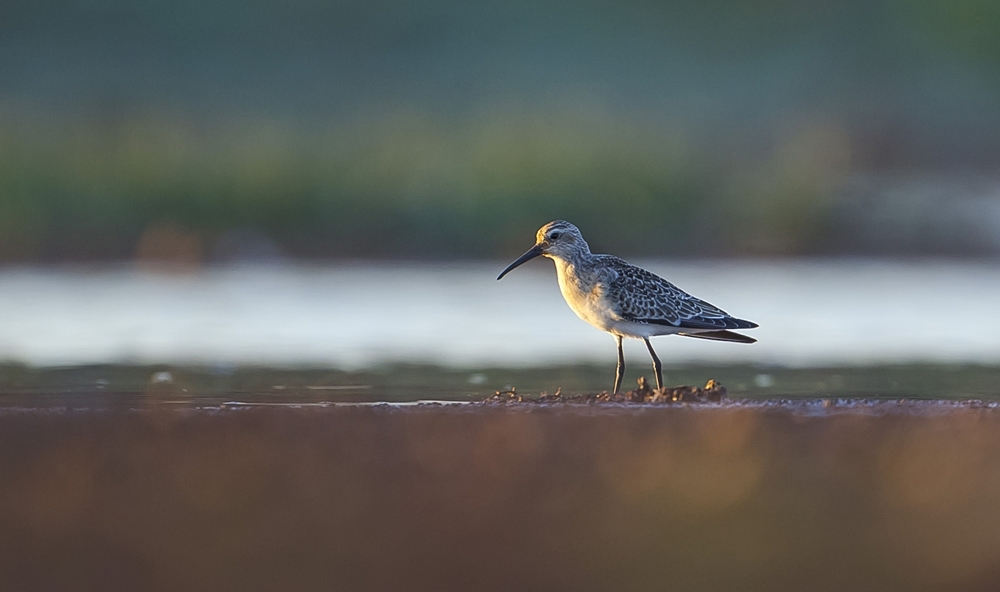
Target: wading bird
624,300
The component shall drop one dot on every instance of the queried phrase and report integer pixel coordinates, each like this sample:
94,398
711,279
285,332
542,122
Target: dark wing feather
644,297
721,336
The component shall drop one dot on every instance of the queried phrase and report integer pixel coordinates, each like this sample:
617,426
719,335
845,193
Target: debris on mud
712,392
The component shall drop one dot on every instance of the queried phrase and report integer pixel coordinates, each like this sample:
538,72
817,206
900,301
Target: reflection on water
354,316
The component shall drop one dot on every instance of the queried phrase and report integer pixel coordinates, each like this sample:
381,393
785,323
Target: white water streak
350,316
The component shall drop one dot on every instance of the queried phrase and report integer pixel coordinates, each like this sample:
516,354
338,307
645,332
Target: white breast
585,298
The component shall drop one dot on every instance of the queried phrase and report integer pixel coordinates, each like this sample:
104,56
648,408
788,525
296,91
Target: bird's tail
721,336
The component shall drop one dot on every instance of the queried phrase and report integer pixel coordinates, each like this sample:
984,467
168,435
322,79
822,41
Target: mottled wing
644,297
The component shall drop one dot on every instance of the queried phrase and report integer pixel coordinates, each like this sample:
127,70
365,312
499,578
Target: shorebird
624,300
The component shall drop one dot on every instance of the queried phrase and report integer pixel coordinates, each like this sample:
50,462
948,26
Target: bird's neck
570,263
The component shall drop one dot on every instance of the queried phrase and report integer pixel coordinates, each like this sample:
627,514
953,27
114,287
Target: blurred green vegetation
405,184
449,129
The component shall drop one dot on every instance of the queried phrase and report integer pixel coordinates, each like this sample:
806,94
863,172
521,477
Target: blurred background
157,146
219,219
446,130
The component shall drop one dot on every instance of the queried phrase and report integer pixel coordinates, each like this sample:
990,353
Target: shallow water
145,387
204,472
357,316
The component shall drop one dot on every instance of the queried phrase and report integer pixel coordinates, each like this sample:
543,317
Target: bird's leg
620,372
656,365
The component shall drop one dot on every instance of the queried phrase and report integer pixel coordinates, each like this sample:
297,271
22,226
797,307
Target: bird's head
557,240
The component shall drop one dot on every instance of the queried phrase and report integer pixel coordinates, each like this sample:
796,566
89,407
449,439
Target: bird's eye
554,236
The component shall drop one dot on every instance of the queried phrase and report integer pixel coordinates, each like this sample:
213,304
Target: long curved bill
533,252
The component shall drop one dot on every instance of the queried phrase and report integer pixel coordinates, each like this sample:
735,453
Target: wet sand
766,495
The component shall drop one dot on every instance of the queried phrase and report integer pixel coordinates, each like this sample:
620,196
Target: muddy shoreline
750,495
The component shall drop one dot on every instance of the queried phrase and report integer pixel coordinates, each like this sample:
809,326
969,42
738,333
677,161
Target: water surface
812,313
